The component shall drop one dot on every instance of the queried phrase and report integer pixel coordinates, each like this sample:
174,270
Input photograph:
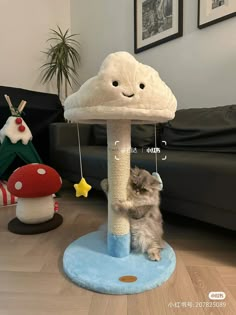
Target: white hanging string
155,136
156,174
80,159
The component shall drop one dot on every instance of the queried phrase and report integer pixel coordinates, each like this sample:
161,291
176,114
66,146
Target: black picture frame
160,30
221,11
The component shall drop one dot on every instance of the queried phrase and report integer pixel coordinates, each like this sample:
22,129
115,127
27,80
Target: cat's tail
104,185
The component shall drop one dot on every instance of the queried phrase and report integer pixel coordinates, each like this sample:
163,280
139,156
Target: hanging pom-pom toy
157,175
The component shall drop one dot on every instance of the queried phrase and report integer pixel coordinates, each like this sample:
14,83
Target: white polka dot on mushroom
18,185
41,171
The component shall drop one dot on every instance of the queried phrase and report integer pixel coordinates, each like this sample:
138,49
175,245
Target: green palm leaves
62,60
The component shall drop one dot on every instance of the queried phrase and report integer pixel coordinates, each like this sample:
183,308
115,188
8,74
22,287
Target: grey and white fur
142,208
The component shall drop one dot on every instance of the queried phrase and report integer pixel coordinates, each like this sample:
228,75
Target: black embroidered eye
142,86
115,83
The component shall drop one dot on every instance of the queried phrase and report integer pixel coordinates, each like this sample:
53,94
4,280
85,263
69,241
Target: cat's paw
154,254
115,206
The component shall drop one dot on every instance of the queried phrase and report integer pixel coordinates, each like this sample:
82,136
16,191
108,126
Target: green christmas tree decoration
16,141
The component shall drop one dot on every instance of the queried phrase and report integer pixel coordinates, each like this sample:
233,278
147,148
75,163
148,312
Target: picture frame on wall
214,11
156,22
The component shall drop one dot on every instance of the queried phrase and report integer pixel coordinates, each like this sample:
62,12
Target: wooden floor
32,281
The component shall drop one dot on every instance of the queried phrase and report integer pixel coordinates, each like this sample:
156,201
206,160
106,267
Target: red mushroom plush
34,185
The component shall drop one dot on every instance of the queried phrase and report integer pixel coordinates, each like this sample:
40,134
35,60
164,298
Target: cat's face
142,182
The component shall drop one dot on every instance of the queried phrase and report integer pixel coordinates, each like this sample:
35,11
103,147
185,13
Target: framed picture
156,22
214,11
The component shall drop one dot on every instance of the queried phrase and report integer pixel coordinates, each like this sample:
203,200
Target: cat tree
124,92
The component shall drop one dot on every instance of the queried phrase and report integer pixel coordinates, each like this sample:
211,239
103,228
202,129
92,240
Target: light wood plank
232,290
208,258
44,312
14,304
227,274
180,289
108,304
186,245
138,304
30,282
12,250
205,280
31,264
158,302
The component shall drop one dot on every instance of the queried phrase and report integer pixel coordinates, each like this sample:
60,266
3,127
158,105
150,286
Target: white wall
24,29
200,67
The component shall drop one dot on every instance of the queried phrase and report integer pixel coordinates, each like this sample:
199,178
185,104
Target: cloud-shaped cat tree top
123,89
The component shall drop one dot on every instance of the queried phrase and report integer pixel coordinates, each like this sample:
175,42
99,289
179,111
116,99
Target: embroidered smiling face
116,83
122,89
126,91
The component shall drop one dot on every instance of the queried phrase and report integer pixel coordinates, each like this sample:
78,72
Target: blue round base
87,263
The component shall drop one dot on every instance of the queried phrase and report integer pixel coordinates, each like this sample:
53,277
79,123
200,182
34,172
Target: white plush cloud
123,89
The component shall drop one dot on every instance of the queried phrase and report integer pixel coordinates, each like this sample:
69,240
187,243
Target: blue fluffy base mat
87,264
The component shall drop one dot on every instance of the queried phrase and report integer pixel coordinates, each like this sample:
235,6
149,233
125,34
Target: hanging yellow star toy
82,188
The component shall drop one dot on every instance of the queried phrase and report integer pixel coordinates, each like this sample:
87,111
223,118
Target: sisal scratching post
119,144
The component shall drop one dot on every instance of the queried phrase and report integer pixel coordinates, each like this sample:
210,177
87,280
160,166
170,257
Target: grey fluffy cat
142,208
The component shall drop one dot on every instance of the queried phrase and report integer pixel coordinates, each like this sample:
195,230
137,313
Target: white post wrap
119,147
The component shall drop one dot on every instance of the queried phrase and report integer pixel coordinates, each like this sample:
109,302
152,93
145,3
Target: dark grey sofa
197,160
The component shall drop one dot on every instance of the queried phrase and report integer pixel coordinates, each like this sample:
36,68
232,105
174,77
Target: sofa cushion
141,135
202,129
200,177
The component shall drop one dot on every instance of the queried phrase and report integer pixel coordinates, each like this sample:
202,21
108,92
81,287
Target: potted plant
63,59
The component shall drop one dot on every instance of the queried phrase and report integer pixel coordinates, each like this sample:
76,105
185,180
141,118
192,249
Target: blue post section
118,245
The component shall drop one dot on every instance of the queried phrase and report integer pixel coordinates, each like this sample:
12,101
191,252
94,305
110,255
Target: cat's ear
134,171
146,187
